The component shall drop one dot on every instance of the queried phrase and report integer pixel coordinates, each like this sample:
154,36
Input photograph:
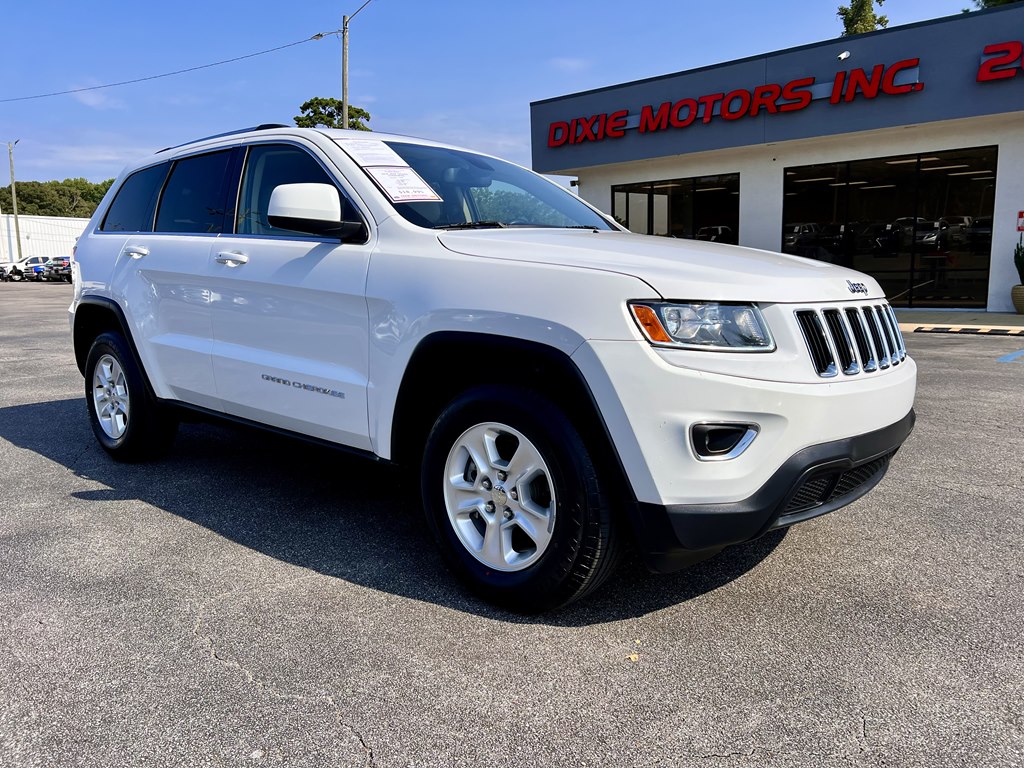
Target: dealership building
899,153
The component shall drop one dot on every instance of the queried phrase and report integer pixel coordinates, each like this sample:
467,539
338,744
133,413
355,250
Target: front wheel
127,420
515,502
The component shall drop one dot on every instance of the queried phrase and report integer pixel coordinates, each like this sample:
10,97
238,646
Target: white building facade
898,153
40,236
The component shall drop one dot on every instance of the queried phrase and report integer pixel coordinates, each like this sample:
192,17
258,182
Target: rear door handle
136,251
232,258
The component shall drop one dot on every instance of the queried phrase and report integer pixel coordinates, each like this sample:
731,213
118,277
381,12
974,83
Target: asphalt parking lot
254,601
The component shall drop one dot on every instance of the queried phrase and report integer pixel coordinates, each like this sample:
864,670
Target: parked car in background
958,226
716,234
30,268
58,268
933,235
796,236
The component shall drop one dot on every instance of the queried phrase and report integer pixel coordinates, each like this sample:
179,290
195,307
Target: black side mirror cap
346,231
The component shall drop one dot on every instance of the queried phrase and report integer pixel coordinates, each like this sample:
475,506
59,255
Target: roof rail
261,127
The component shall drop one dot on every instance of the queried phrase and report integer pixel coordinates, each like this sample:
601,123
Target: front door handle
136,251
232,258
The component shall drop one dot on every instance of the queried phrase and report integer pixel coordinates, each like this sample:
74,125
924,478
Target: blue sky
463,71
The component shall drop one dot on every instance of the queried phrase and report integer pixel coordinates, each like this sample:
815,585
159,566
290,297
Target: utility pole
344,63
14,195
3,248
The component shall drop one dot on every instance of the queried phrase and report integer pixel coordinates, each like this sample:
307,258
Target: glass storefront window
700,208
919,224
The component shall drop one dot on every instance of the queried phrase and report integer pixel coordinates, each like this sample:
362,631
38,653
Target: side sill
207,414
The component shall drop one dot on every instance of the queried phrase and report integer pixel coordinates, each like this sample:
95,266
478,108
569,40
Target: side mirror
311,208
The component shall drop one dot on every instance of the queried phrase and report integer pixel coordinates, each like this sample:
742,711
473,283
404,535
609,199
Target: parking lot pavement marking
1013,357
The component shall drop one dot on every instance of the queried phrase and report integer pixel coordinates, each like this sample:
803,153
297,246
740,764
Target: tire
127,420
515,502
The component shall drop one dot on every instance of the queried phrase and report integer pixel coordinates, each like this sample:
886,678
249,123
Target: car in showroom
557,384
716,234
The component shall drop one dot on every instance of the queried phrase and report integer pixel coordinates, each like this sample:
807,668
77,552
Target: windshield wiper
473,225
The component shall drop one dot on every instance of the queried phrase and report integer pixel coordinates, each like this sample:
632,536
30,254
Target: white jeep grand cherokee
562,383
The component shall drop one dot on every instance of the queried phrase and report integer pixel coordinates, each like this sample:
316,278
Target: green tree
71,197
328,113
982,4
859,16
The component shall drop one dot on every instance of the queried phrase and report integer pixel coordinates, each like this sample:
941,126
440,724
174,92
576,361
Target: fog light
721,441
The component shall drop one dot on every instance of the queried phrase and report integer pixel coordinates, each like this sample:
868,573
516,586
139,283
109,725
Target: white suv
562,383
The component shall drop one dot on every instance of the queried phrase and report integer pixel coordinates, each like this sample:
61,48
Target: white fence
40,236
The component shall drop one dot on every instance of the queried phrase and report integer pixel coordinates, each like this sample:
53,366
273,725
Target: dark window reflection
920,224
699,208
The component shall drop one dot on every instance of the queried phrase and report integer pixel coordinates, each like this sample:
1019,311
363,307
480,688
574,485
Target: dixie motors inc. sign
945,69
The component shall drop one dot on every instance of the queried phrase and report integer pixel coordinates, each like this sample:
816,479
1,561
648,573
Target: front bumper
812,482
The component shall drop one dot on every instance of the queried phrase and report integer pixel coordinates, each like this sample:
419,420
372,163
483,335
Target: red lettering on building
1003,61
859,82
731,110
796,94
615,128
654,121
889,79
558,134
765,96
587,129
691,113
708,102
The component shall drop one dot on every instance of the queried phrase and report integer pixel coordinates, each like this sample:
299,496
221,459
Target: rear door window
132,209
194,199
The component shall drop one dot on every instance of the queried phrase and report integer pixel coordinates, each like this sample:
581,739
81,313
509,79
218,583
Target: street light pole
344,63
14,195
3,248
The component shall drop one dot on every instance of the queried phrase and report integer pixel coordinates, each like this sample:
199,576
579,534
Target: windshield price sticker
403,185
370,152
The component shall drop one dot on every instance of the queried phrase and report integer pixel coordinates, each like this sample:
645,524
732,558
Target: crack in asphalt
270,689
72,465
727,755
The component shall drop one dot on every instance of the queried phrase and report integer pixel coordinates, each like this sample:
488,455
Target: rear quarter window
134,204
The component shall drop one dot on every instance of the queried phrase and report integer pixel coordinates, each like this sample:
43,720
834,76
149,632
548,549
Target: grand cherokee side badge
300,385
856,287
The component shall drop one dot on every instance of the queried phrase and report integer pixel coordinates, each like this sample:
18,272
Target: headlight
703,325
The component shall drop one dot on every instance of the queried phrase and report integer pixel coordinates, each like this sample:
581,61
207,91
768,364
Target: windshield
483,192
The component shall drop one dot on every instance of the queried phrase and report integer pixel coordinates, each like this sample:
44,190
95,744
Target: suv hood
675,269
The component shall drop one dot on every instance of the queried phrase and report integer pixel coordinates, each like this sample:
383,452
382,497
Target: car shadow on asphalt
333,513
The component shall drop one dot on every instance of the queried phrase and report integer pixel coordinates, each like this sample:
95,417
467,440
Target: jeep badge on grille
856,287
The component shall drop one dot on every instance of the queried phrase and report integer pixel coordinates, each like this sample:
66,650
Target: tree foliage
71,197
859,16
328,113
982,4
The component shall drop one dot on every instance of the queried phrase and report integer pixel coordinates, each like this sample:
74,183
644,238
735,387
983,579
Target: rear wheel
515,501
127,420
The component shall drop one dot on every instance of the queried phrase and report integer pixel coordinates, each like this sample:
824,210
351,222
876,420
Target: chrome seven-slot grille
853,340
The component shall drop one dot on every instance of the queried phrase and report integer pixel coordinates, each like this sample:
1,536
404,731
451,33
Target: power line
317,36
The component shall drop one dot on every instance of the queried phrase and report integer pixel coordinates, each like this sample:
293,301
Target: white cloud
97,99
571,65
92,161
